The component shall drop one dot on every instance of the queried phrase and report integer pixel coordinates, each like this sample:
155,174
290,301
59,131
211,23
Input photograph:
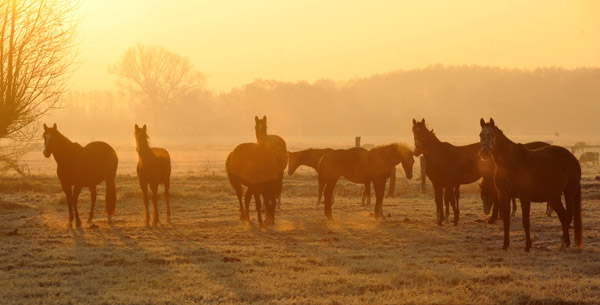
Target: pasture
208,256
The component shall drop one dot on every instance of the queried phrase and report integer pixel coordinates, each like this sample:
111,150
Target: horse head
260,127
487,138
50,139
141,137
422,136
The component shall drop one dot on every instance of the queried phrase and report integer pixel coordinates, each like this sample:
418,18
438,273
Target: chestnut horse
79,167
448,167
276,146
489,194
311,157
540,175
153,168
253,165
363,167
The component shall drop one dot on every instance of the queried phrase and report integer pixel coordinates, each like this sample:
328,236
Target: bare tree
156,74
37,40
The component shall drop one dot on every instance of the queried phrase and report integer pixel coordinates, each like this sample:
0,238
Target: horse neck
261,136
431,145
65,149
505,151
311,158
144,150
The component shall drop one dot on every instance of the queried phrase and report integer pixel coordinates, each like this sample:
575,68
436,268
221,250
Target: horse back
544,173
89,165
252,164
450,164
351,164
278,148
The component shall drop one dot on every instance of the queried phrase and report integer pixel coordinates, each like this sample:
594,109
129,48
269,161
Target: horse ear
264,118
54,126
256,118
137,127
144,128
481,122
45,126
423,121
492,122
414,122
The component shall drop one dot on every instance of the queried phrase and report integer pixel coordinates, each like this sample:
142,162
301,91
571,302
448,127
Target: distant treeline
451,98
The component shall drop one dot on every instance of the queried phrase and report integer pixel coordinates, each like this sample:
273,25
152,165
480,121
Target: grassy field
208,256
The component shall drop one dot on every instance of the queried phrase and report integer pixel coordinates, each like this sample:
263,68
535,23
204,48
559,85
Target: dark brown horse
311,157
79,167
276,146
448,167
489,194
363,167
153,168
253,165
540,175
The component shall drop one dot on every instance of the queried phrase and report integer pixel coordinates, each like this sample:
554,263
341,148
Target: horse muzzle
485,153
47,154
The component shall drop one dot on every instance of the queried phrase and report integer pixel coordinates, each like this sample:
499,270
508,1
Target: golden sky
234,42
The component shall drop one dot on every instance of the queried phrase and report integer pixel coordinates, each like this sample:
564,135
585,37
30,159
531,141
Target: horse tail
233,180
577,218
111,196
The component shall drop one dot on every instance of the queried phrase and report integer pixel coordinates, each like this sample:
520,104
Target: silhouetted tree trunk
37,39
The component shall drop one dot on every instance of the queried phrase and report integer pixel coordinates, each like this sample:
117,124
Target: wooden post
357,142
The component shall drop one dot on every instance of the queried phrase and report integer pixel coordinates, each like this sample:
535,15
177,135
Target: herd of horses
531,172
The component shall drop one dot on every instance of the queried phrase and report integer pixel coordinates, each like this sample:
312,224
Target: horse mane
402,148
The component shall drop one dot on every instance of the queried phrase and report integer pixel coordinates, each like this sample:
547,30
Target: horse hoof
491,221
562,244
527,249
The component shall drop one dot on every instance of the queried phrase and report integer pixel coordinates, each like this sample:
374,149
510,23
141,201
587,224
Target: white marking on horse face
47,138
487,137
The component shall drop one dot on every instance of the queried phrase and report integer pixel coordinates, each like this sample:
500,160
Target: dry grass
208,256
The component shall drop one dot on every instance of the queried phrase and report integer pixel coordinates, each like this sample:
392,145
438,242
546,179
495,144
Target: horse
153,168
254,166
79,167
448,167
588,157
363,167
577,147
540,175
276,146
489,194
311,157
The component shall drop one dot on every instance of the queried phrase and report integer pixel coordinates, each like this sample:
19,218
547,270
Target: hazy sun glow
235,42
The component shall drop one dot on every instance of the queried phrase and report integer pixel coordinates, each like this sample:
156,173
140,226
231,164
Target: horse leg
154,189
565,222
379,187
68,194
279,189
367,194
505,212
329,186
514,207
168,198
454,204
246,214
93,194
144,187
76,192
549,210
321,187
392,188
439,192
258,207
525,208
447,195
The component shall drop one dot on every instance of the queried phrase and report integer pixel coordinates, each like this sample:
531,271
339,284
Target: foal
154,168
